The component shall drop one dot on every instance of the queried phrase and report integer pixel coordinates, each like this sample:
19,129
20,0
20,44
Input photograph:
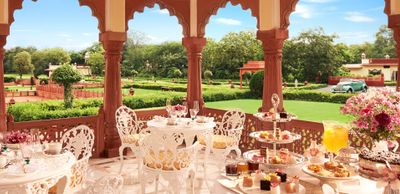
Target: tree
23,63
55,56
208,75
310,52
96,62
231,52
384,43
66,75
247,77
175,73
9,57
134,73
77,57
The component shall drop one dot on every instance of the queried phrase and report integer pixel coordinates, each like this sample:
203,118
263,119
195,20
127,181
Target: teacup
3,161
201,119
54,148
171,121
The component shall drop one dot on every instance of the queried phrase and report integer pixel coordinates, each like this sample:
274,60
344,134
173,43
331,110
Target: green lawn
311,111
19,88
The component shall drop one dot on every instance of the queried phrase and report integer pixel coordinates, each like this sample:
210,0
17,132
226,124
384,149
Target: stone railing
53,129
53,91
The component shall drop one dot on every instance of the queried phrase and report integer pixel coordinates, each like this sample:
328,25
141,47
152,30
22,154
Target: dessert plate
261,116
293,137
255,156
326,175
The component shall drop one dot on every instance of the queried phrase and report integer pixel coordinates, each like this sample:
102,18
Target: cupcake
258,176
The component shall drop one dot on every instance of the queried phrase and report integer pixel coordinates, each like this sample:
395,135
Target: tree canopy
22,63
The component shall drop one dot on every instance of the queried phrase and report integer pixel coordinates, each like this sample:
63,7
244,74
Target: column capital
194,44
394,21
272,40
113,41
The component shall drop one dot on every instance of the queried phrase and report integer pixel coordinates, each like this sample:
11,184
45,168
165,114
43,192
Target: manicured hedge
8,79
390,83
84,107
315,96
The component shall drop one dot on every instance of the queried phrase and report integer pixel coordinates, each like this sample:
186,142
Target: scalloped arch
213,7
287,8
96,6
172,7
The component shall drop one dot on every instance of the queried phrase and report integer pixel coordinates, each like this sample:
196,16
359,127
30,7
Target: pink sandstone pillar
272,41
3,113
194,46
113,44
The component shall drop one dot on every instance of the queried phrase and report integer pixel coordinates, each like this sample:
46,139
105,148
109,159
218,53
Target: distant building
386,66
82,69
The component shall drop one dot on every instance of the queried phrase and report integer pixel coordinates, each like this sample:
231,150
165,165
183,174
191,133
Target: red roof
254,65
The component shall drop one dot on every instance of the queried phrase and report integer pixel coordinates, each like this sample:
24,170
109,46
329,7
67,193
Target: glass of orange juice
336,136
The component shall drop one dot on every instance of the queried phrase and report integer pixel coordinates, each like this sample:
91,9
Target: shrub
8,79
66,75
315,96
257,84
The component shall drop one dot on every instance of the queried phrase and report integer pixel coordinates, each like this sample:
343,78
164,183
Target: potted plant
376,115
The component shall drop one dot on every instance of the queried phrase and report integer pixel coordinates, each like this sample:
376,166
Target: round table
52,170
191,130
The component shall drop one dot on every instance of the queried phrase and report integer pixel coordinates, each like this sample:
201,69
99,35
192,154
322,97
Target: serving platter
293,137
255,156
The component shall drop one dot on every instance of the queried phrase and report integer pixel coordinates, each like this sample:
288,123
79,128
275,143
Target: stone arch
179,9
97,8
210,9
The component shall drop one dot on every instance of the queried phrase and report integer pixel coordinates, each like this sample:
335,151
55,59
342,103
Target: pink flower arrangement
16,137
179,107
377,113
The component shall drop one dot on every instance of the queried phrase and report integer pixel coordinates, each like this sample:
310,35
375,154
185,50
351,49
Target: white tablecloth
51,167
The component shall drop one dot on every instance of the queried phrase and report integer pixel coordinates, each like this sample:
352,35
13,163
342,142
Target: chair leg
192,176
121,158
157,182
143,182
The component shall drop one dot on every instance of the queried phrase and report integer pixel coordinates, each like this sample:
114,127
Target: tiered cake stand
252,154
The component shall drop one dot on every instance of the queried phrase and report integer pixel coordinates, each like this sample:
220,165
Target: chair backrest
126,121
79,140
165,150
233,119
110,184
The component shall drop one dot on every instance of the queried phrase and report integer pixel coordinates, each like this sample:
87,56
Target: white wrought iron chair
79,141
227,134
109,184
130,131
170,155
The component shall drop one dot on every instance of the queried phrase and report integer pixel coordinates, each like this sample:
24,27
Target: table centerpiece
14,139
376,115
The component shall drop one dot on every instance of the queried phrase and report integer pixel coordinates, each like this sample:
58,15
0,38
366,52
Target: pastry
258,176
283,115
265,184
341,172
275,189
282,175
247,181
315,168
275,178
264,134
331,166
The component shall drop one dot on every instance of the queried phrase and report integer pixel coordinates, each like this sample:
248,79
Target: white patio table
191,128
50,170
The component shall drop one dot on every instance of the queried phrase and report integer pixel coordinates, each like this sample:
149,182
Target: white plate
352,176
256,135
231,185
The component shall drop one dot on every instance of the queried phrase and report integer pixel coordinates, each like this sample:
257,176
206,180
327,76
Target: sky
63,23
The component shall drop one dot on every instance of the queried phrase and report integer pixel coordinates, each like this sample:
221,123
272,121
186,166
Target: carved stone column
396,36
113,44
272,41
194,46
3,106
